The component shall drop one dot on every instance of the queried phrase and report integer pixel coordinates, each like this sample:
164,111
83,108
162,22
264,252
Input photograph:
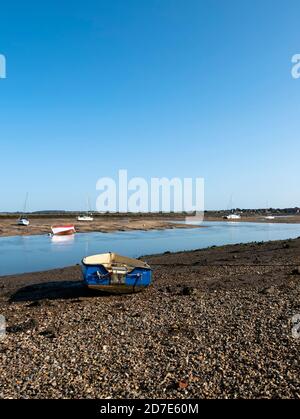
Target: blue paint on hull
97,276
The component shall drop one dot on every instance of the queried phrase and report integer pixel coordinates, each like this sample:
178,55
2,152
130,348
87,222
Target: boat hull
65,233
233,217
64,230
116,289
85,219
23,222
98,277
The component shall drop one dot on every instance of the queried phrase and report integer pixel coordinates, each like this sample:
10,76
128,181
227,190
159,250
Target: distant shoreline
279,219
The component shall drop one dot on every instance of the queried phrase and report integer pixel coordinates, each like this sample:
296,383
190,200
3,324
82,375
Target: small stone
48,333
182,384
269,290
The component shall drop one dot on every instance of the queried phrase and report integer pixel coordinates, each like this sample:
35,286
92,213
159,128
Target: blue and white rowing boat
111,272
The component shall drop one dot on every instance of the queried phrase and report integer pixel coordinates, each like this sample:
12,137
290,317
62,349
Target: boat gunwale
131,263
147,267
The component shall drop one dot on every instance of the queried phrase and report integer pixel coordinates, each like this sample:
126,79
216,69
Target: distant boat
63,230
233,217
268,217
111,272
23,221
88,216
85,218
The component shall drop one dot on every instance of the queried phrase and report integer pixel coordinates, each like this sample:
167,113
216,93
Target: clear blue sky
159,87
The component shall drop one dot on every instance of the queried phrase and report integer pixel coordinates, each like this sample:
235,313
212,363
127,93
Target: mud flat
216,323
9,227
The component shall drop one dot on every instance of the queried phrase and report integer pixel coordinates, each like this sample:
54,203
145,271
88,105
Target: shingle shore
215,323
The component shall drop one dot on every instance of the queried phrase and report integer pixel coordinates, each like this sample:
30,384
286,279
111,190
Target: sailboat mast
230,204
89,205
25,205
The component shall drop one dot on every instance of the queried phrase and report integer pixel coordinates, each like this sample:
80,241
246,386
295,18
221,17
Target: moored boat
88,216
63,230
111,272
85,218
233,217
22,221
233,213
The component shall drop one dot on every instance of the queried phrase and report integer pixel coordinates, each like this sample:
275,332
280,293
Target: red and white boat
63,230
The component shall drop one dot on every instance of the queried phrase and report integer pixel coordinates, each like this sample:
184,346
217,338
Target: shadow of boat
62,290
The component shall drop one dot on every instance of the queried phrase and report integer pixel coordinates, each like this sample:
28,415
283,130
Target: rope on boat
102,277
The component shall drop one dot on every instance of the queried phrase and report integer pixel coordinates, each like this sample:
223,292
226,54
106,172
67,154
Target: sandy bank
8,227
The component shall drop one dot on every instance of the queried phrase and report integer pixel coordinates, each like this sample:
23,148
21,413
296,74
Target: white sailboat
23,220
85,218
269,217
88,216
233,215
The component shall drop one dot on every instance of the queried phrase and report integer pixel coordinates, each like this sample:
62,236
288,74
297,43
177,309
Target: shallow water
37,253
